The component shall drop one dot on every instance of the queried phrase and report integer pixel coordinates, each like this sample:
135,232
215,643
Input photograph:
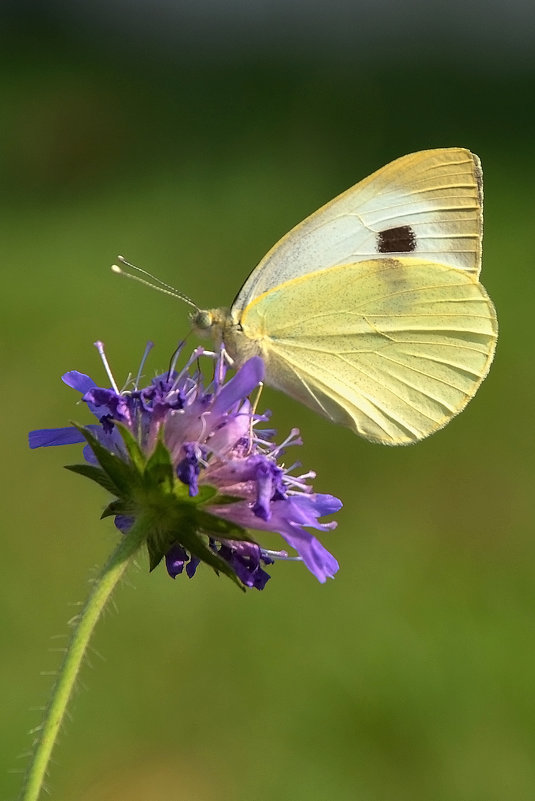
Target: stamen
297,484
128,381
281,555
202,418
293,438
292,467
100,347
200,351
174,358
253,412
148,347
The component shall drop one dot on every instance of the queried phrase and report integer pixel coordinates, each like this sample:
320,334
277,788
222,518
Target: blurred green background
190,138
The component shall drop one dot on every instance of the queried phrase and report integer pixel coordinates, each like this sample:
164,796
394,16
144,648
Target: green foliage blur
409,677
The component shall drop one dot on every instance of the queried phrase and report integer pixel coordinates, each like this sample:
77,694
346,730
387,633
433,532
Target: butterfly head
202,321
210,323
222,326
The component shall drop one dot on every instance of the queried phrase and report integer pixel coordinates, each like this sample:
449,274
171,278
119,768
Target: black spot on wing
396,240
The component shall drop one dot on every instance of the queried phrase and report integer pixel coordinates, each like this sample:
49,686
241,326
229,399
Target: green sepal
149,487
205,494
224,500
137,457
202,551
95,474
159,469
118,507
197,546
158,543
190,527
220,528
177,524
123,475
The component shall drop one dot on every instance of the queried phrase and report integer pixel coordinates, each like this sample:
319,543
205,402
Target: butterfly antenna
153,283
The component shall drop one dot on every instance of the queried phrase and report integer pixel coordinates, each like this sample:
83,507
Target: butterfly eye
203,320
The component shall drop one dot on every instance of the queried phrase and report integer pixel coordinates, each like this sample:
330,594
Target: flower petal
317,558
242,384
78,381
305,509
45,437
245,559
233,428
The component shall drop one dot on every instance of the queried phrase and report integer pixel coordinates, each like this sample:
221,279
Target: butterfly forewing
428,204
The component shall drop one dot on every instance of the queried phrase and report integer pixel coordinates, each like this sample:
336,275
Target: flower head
191,460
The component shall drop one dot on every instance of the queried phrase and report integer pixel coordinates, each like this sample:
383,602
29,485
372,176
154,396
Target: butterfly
370,311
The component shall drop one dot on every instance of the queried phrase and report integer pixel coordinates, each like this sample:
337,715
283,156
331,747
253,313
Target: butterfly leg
253,412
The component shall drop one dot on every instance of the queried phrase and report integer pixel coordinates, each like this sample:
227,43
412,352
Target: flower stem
101,592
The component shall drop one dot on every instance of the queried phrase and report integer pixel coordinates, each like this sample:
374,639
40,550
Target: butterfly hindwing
392,347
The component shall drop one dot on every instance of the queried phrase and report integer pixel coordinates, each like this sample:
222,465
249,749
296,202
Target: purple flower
194,457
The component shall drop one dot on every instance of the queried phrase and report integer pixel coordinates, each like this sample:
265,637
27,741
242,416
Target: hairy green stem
86,621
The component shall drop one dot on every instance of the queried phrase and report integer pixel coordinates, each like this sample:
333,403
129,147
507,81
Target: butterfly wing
428,204
391,347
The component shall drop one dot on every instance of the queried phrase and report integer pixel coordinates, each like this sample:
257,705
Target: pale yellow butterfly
370,311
